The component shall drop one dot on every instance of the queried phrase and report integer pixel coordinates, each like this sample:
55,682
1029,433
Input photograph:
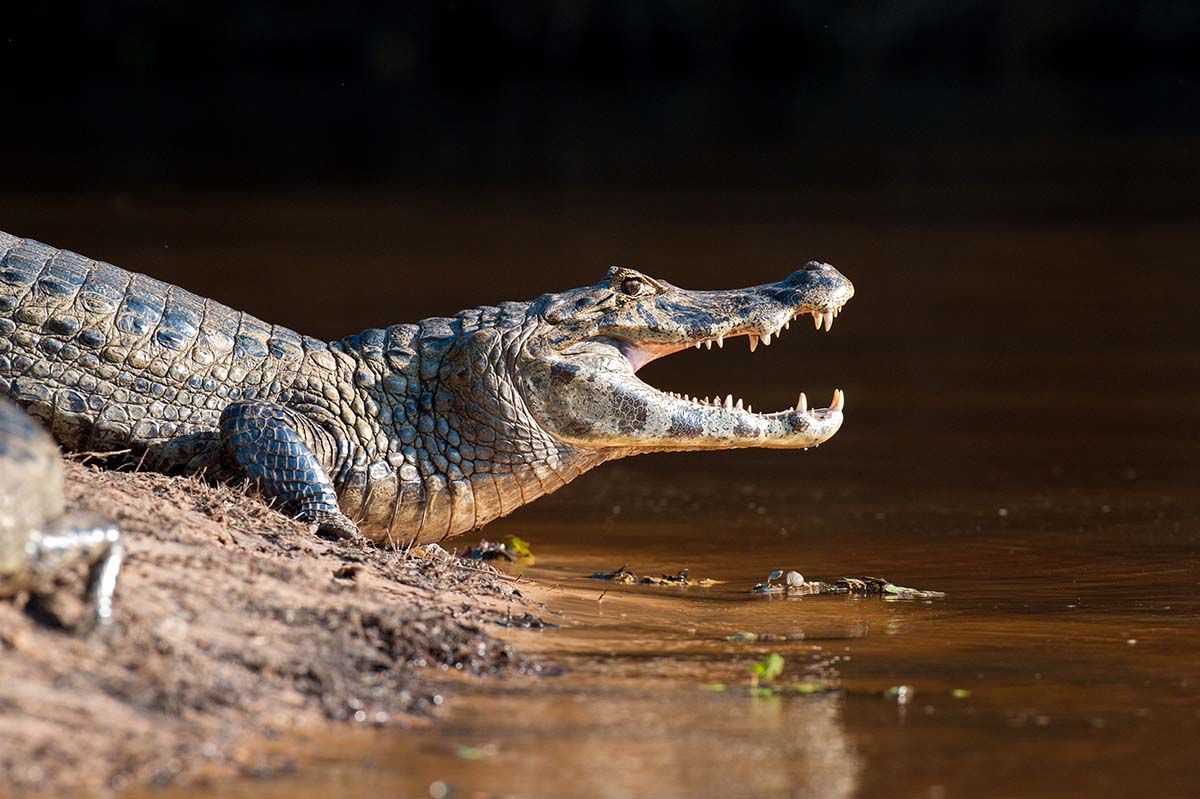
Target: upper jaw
762,332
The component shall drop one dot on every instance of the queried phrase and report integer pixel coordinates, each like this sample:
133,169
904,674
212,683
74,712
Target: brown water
1021,433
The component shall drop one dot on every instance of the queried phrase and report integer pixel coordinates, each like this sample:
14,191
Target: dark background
1012,187
908,107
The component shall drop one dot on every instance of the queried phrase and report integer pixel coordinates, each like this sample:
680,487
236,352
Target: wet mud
234,626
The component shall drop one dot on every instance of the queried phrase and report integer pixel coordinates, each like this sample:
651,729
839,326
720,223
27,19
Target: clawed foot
335,526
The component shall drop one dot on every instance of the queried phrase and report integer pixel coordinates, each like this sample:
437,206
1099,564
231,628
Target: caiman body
410,433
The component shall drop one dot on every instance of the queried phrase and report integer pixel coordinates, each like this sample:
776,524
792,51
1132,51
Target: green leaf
766,671
810,688
960,693
518,546
772,666
742,637
715,687
468,753
900,592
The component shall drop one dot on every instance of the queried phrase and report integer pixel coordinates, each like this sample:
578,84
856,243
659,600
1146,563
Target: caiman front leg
289,458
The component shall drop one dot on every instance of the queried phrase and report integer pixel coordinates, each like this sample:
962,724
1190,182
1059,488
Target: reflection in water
997,446
620,744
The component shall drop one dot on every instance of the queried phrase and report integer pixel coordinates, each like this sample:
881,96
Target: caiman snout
822,287
587,392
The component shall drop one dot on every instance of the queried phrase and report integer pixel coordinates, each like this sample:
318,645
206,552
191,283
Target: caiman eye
634,287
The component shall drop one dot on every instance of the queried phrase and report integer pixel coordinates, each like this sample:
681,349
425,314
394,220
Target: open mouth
762,332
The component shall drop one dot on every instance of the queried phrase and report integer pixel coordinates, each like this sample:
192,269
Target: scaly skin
38,539
410,433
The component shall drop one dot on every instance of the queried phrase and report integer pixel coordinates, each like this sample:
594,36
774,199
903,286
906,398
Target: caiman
406,434
38,539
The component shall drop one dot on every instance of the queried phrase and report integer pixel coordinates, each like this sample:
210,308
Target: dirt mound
233,624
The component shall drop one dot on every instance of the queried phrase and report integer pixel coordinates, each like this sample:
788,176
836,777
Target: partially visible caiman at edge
406,434
39,539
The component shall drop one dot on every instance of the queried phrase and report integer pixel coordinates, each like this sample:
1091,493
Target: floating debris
668,579
511,549
900,592
763,677
763,637
795,585
764,680
621,575
626,577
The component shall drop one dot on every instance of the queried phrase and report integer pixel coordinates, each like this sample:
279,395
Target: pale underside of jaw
729,402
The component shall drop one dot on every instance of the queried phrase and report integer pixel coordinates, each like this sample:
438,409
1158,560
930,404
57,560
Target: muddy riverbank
234,625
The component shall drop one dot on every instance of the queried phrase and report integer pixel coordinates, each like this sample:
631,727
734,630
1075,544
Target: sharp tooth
839,400
787,325
739,405
749,409
698,343
708,344
729,401
766,339
720,341
753,342
828,320
686,397
802,404
817,319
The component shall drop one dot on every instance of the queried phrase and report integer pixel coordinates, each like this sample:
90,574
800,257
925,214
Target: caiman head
577,369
